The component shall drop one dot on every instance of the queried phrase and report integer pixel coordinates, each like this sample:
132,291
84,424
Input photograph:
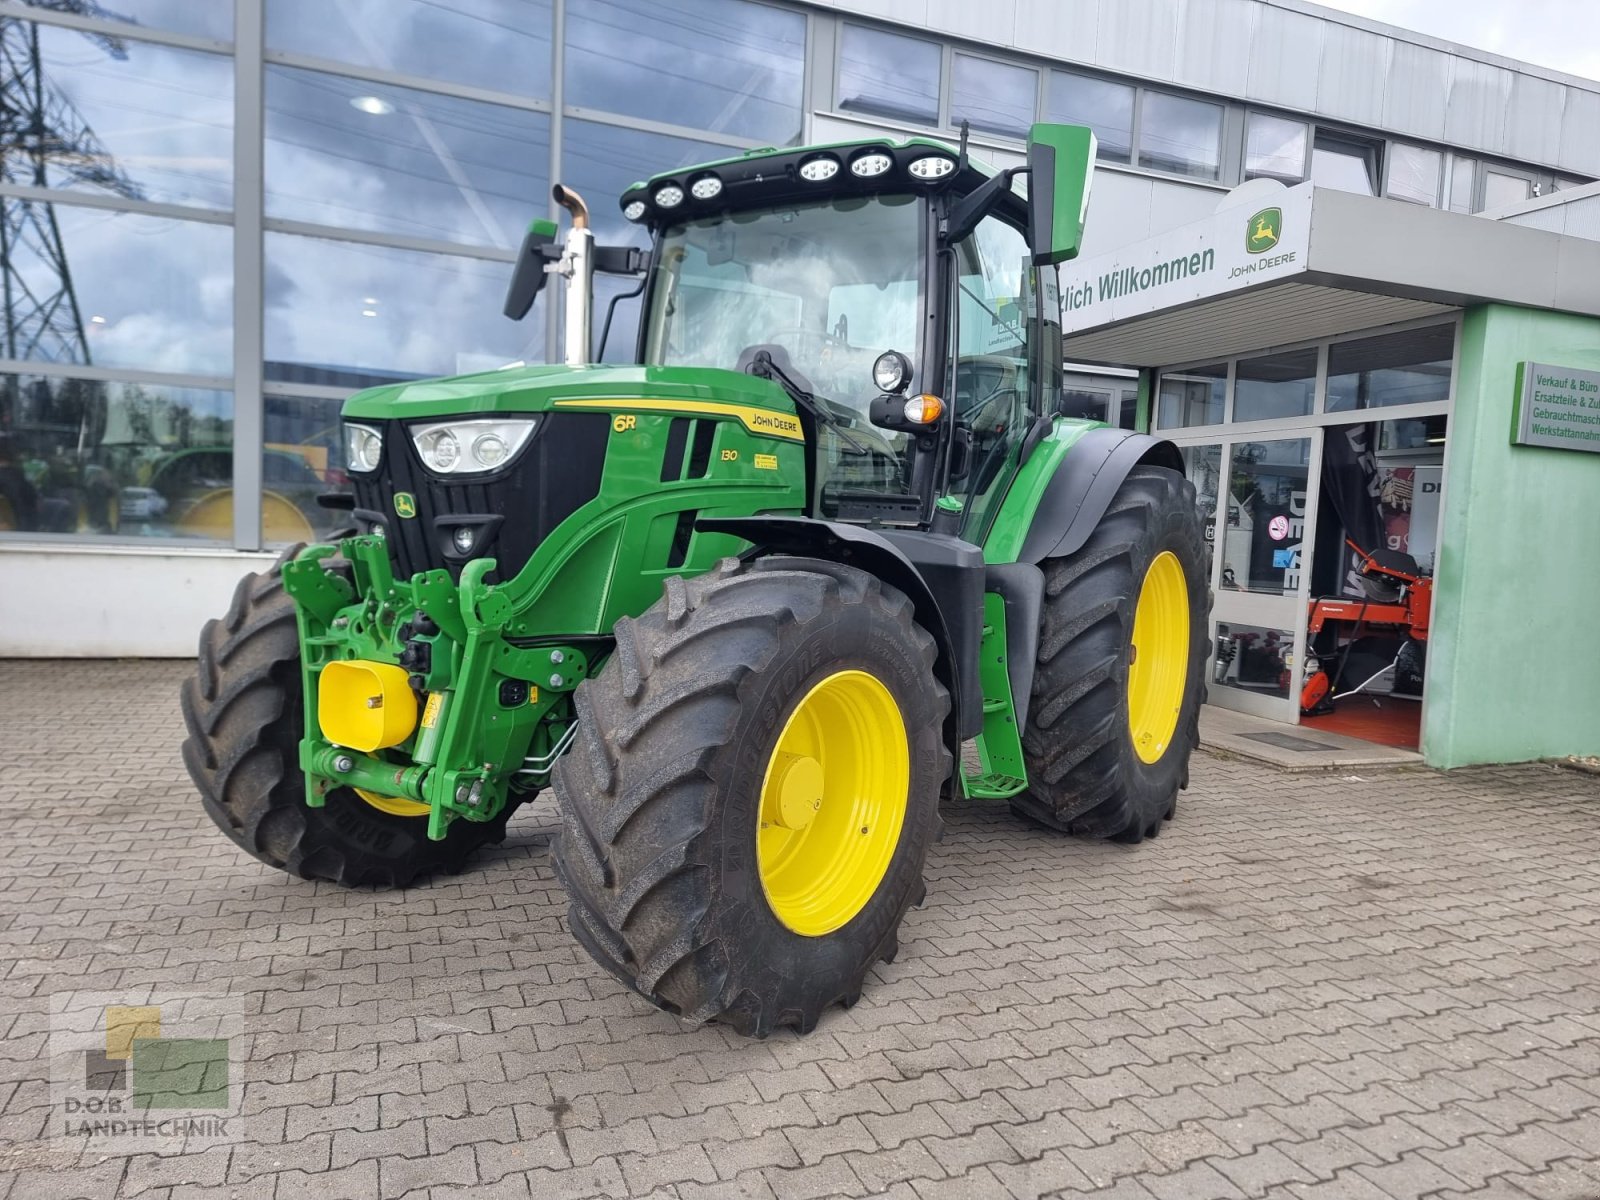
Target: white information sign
1239,247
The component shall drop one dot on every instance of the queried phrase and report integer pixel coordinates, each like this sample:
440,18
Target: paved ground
1311,986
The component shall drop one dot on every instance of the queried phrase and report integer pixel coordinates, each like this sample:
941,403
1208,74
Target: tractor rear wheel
1115,710
244,711
752,792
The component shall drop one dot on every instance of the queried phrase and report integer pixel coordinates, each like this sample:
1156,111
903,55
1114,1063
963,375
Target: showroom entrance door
1260,500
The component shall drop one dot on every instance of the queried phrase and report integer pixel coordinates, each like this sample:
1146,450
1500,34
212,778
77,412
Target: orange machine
1398,598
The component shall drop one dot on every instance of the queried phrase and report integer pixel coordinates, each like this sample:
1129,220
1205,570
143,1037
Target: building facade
221,217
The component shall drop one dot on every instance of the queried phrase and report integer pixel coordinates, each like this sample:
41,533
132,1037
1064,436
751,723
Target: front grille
511,510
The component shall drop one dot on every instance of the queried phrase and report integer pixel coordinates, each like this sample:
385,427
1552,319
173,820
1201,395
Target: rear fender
1080,491
943,577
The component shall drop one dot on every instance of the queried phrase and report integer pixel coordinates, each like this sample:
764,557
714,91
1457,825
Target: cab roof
770,175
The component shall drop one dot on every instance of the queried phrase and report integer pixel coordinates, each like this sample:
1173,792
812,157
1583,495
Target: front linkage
423,669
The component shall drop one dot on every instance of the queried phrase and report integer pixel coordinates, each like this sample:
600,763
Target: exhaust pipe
577,266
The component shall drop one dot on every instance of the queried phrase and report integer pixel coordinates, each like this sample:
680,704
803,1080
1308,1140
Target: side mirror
1060,164
527,276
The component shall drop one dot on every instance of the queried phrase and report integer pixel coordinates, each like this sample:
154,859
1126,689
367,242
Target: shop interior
1324,525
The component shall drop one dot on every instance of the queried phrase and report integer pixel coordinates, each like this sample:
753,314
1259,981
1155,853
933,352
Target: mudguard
942,575
1081,489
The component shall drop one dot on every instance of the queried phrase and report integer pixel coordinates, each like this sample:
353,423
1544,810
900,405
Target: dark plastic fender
942,575
1021,587
1089,476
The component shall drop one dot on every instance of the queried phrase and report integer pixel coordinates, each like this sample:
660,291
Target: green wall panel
1513,664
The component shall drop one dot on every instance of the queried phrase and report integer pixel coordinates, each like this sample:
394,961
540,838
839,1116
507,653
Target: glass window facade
1192,396
1344,163
132,119
1275,385
1275,148
201,18
1103,105
994,97
888,75
1409,367
385,314
407,143
1414,173
452,42
1180,136
346,152
87,456
725,66
1500,189
132,290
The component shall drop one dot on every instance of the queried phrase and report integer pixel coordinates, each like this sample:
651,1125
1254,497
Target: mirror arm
975,205
621,260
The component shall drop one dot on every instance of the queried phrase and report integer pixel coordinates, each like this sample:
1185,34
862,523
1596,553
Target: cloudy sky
1563,34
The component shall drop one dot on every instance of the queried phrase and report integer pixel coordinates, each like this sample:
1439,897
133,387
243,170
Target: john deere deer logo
1263,231
405,505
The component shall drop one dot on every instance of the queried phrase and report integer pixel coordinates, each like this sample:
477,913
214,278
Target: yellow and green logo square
1263,230
161,1073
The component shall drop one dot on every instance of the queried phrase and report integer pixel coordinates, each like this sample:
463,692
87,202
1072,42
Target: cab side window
994,304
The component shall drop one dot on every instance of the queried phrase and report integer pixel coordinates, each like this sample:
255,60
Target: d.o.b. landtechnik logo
127,1074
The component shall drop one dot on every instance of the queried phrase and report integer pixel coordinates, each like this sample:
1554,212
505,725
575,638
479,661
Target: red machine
1399,599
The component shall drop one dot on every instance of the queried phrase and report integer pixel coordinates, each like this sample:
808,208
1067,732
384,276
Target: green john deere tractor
749,606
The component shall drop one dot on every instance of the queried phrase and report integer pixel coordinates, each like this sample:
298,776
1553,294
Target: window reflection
888,75
1105,107
1500,189
1275,385
203,18
1181,136
374,313
126,118
1275,149
150,292
1192,396
1202,466
500,44
1263,538
1409,367
994,97
1344,163
722,65
80,456
1414,173
1254,658
346,152
603,161
303,457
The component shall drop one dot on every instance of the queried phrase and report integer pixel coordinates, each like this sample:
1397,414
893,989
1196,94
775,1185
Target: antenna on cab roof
961,157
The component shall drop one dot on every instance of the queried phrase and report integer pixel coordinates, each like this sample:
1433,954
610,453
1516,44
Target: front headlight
363,447
467,447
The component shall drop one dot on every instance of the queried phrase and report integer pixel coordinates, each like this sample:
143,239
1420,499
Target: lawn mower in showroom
1375,645
749,606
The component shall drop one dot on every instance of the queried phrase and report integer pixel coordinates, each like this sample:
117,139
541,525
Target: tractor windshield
832,283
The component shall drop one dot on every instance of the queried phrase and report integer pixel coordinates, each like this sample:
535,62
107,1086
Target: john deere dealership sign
1557,407
1237,248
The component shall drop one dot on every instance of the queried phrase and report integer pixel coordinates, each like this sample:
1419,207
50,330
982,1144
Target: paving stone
1289,994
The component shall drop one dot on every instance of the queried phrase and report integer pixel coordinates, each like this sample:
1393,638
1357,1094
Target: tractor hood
542,388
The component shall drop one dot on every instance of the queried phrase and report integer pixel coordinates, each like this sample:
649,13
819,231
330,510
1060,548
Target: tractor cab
902,295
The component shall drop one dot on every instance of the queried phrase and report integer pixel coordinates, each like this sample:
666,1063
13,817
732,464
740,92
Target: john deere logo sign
405,505
1263,231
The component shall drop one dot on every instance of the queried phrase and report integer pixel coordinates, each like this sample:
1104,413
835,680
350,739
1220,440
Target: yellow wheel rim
833,801
395,806
1158,667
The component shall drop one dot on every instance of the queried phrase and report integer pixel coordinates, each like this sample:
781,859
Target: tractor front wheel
244,711
1115,711
754,786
